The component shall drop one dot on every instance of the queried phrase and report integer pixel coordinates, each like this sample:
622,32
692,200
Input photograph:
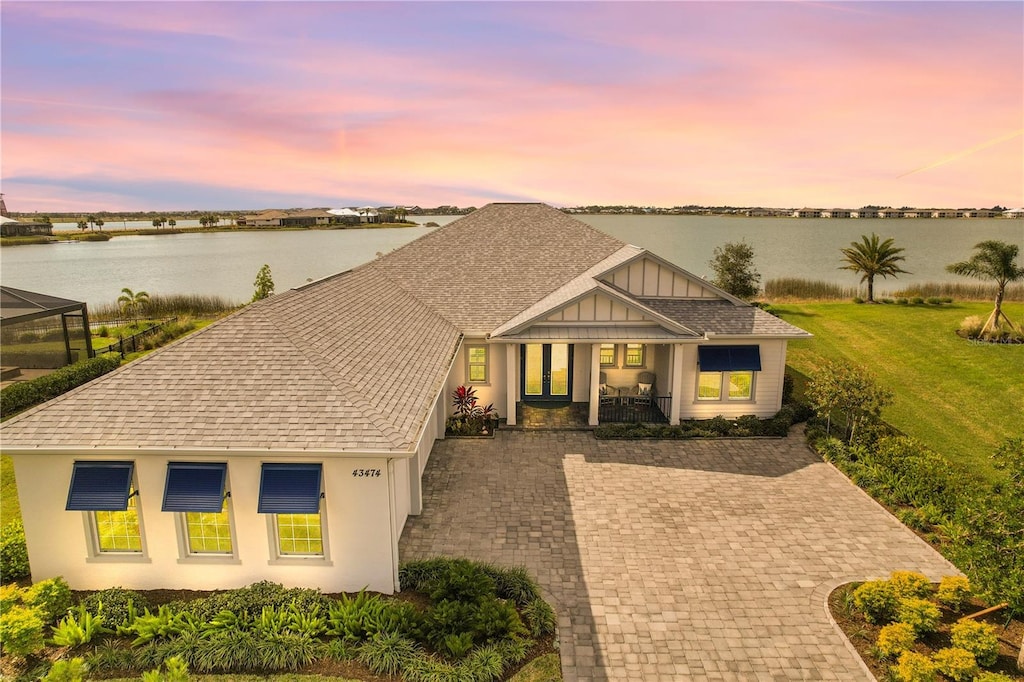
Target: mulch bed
863,634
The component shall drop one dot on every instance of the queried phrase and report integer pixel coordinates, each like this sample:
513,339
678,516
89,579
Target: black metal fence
132,344
634,409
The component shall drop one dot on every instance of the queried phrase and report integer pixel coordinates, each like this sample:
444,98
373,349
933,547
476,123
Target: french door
546,371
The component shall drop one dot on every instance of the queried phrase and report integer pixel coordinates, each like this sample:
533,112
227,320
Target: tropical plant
993,260
92,221
132,302
733,264
172,222
469,417
75,630
980,639
82,224
871,258
264,284
67,671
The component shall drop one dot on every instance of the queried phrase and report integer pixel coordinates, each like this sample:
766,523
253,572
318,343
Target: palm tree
992,260
92,221
873,258
82,224
172,222
100,223
131,302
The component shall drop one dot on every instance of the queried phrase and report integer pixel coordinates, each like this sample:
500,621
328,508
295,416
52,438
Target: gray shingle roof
350,362
723,317
486,267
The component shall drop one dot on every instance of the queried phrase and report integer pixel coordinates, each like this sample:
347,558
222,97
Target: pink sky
237,105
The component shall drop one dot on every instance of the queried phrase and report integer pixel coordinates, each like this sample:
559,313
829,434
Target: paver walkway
691,560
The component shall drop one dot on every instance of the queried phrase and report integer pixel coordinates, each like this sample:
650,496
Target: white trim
595,383
511,386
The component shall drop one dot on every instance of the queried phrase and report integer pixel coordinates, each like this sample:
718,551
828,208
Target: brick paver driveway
693,560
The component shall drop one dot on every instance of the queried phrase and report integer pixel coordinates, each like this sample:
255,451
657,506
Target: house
890,213
981,213
836,213
807,213
947,213
864,213
308,217
357,216
1014,213
287,441
10,227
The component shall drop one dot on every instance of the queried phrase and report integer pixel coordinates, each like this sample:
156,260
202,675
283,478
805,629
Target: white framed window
741,385
299,535
476,365
608,354
709,386
118,532
208,533
636,355
108,494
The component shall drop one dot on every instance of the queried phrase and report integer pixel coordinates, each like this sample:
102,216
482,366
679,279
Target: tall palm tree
992,260
131,302
872,258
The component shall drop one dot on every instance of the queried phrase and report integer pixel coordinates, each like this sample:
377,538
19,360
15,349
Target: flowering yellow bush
895,639
978,638
910,584
954,591
956,664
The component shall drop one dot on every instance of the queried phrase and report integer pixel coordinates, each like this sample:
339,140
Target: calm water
225,263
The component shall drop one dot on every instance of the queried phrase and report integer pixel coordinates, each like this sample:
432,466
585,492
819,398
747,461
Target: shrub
978,638
887,301
902,301
9,596
249,601
910,584
457,646
75,630
21,631
464,581
67,671
24,394
51,598
177,671
920,614
954,591
917,300
894,639
914,667
540,618
956,664
513,583
971,326
116,605
13,550
495,620
858,299
934,300
387,653
877,600
947,299
987,676
484,665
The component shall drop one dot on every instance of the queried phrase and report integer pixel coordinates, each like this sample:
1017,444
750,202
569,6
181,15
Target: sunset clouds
248,105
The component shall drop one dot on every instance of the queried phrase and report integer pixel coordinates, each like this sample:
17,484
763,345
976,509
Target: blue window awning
194,487
290,489
100,486
729,358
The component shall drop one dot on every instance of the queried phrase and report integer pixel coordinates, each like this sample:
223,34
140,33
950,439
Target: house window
107,491
607,354
476,359
118,531
299,535
709,386
292,493
198,491
741,385
635,354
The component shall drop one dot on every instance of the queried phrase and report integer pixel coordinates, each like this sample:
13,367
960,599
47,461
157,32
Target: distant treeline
811,289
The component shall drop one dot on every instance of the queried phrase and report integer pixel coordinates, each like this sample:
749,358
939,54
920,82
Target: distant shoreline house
310,217
9,227
287,441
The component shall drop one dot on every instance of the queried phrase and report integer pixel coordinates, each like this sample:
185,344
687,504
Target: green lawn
10,508
961,399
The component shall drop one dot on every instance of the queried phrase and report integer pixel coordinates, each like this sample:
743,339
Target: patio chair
606,394
643,392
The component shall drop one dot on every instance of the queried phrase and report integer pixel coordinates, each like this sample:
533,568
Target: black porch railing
133,343
634,409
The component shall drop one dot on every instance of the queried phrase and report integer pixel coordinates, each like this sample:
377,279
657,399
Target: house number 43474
366,473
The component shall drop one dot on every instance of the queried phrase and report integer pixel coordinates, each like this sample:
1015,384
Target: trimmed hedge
13,552
25,394
718,427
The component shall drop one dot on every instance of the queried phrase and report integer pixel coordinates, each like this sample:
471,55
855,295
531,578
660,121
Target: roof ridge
348,391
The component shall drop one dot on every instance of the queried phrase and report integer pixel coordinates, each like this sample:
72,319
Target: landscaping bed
454,620
864,635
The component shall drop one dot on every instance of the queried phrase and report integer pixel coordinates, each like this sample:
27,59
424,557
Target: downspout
393,517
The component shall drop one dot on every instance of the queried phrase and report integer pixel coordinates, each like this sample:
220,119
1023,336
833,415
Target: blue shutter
729,358
194,487
100,486
290,489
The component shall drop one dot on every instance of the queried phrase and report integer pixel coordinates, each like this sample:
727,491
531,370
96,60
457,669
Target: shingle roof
350,362
710,316
486,267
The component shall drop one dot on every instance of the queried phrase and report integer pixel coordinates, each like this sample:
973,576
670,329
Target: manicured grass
960,398
547,668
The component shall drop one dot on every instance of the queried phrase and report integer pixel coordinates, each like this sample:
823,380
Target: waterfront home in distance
287,441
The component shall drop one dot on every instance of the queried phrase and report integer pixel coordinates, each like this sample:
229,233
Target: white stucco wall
356,511
493,391
767,384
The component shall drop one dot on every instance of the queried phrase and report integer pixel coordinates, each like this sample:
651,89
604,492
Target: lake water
225,263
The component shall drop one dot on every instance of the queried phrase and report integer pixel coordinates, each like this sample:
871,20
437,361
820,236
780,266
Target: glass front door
547,372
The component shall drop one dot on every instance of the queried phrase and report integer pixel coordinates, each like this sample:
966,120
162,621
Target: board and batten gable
598,307
652,277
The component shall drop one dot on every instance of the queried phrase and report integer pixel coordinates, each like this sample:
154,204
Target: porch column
595,382
677,383
511,362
